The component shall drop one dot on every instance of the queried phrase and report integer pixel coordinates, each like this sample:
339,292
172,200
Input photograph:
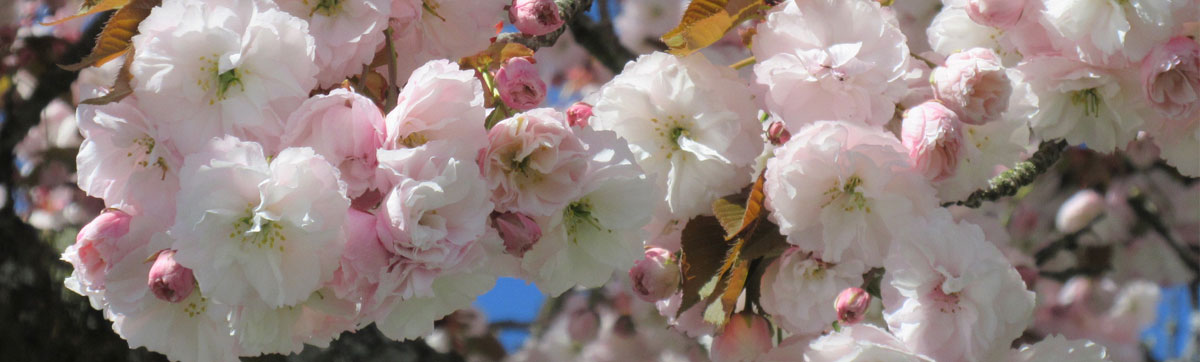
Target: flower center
327,8
226,80
413,140
147,143
852,199
672,129
196,307
1089,99
577,214
256,231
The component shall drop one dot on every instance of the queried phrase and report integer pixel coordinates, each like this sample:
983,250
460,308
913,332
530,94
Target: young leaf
495,55
706,21
115,39
90,7
703,250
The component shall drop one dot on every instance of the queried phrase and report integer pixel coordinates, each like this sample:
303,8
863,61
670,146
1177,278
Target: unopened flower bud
1001,14
778,134
518,231
520,86
656,276
535,17
583,325
933,136
1079,211
110,225
852,305
745,338
168,280
578,114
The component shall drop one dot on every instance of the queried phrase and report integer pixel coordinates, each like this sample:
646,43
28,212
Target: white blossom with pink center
951,295
830,59
842,189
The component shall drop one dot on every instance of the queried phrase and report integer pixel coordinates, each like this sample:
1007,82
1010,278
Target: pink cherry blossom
435,210
534,163
744,339
168,280
442,103
535,17
933,136
840,189
519,232
830,59
973,84
996,13
578,114
519,85
656,277
343,127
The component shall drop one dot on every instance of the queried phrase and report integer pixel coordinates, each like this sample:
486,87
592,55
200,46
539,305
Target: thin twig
1020,175
391,93
1141,209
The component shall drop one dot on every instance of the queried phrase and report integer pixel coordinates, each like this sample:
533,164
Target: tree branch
1142,210
1020,175
567,9
598,38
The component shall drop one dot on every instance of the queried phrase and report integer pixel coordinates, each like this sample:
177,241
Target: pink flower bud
98,245
519,84
974,85
110,225
744,338
168,280
518,230
852,305
1001,14
583,325
1079,211
933,135
578,114
655,277
778,134
535,17
1171,82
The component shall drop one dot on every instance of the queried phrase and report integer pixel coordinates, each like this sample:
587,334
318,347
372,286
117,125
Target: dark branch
567,9
1020,175
598,38
1141,208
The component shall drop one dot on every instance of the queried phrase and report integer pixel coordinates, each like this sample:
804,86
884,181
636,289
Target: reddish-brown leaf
115,39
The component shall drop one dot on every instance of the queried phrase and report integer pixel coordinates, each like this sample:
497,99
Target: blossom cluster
256,204
263,191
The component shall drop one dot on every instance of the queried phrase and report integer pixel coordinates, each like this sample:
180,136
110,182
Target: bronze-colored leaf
115,39
729,215
90,7
706,21
703,253
121,88
721,305
494,55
